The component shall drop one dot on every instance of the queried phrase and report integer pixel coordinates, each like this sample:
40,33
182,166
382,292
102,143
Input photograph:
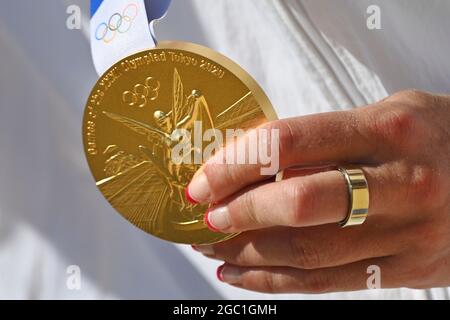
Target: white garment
51,214
306,71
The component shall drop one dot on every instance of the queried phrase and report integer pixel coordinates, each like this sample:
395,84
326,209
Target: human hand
291,240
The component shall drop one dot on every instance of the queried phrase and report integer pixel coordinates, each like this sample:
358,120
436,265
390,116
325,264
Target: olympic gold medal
131,124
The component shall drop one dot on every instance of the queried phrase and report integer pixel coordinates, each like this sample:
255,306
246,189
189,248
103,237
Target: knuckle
304,254
426,187
233,174
210,170
398,127
398,123
233,252
410,95
286,134
403,122
303,194
224,252
268,282
318,282
247,214
221,175
239,258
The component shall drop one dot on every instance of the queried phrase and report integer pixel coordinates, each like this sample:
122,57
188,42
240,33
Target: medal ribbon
119,28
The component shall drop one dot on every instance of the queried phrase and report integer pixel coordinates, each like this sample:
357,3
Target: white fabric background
51,214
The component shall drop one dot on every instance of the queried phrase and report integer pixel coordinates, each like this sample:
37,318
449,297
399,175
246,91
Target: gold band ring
358,191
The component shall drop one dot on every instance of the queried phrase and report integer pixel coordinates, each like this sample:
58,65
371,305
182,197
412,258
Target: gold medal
129,121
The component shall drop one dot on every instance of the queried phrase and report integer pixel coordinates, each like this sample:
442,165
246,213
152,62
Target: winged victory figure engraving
140,186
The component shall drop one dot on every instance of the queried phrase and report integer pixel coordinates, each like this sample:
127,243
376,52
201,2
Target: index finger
308,140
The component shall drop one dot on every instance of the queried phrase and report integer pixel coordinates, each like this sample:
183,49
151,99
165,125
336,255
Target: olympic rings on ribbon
117,23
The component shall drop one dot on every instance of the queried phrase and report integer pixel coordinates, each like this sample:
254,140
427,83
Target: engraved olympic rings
141,93
117,23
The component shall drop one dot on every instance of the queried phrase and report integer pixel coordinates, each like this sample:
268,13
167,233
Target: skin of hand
290,239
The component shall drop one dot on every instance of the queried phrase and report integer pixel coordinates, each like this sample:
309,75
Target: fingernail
198,190
229,274
189,197
218,219
219,273
204,249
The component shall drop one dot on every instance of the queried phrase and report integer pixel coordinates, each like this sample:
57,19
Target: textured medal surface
127,132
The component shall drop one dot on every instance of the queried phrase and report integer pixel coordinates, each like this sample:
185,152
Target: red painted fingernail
189,197
219,273
208,224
